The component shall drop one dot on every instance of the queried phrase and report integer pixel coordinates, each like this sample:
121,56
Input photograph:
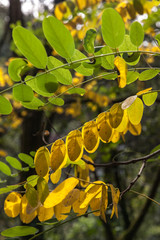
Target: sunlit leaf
60,192
5,169
104,203
23,93
135,129
30,46
132,76
9,188
148,74
24,215
71,197
90,136
136,33
55,176
19,231
74,145
59,37
149,98
122,69
32,180
35,104
107,61
58,154
113,29
42,161
95,205
14,162
89,159
61,211
32,195
104,127
89,40
144,91
45,213
63,75
135,111
5,106
76,90
56,101
15,68
76,204
12,204
122,126
115,199
47,83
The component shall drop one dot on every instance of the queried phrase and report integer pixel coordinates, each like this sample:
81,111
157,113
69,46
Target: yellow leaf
71,197
74,145
144,91
104,203
58,154
42,189
122,68
55,177
115,136
95,205
135,129
128,102
90,166
83,174
122,126
135,111
81,4
76,204
59,211
104,127
12,204
115,115
90,136
45,214
24,216
60,192
91,191
115,199
42,161
60,10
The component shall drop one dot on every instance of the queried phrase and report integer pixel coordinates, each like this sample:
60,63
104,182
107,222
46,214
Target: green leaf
30,46
32,180
26,158
89,40
8,188
5,106
15,68
47,83
113,28
132,76
149,98
136,33
35,104
58,37
81,69
96,62
33,84
157,37
14,162
23,93
32,153
63,75
5,169
107,61
76,90
32,195
56,101
19,231
111,76
148,74
72,66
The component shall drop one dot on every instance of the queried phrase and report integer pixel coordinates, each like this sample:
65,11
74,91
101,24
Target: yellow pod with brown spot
90,136
74,145
42,161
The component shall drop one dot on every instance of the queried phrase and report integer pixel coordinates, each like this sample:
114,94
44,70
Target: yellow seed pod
90,136
45,214
115,115
12,204
74,145
58,153
122,68
135,111
42,161
24,216
104,127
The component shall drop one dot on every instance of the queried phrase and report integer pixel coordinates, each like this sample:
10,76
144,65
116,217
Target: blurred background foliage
26,130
